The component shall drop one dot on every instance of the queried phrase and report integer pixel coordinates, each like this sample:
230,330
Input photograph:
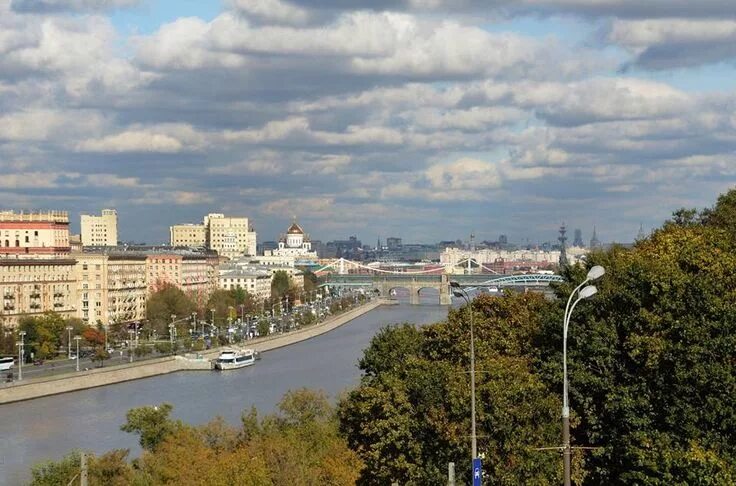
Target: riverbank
41,387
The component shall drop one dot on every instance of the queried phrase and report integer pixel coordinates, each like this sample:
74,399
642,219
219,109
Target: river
48,428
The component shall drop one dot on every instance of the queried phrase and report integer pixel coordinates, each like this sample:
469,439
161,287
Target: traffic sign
477,472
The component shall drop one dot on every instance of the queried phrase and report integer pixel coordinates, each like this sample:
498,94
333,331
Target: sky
421,119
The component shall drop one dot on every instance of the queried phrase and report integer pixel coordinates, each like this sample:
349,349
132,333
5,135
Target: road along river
49,427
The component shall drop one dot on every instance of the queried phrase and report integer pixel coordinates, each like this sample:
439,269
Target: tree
100,355
410,415
168,300
280,284
94,337
152,424
224,302
47,333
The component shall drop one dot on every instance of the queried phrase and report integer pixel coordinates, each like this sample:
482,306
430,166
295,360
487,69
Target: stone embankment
40,387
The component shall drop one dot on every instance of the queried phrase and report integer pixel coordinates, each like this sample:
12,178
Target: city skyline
418,119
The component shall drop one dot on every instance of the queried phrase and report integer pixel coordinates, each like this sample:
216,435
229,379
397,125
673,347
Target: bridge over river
385,283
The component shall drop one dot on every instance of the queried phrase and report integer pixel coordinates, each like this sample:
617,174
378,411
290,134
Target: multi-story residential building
231,237
255,281
100,230
35,234
111,287
296,275
194,273
32,286
188,235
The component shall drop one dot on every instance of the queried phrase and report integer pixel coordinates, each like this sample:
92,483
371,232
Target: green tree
410,415
54,473
168,300
652,375
152,424
280,284
224,304
100,355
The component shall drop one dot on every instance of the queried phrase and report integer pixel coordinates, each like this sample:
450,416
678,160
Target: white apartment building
100,230
34,234
255,281
231,237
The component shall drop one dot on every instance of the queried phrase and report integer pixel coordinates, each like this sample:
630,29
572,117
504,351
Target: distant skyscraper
594,243
563,240
503,240
578,239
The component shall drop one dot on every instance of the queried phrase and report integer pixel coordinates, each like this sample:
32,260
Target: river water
48,428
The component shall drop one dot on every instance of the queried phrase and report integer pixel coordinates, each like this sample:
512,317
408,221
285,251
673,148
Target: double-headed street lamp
587,291
77,338
458,291
21,345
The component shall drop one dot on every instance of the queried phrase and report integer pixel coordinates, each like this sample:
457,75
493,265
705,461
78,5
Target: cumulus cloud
673,43
366,116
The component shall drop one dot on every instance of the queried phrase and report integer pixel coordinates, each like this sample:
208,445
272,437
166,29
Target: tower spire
563,251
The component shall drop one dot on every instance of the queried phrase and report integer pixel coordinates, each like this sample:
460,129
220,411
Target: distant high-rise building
563,239
228,236
503,240
100,230
578,239
594,243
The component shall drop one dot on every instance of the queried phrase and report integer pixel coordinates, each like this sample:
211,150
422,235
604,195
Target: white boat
231,359
6,363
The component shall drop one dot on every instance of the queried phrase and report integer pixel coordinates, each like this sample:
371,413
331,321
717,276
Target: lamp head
454,284
588,291
458,294
596,272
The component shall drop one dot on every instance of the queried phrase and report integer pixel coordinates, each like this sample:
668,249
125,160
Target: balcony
35,306
58,294
9,307
9,297
35,295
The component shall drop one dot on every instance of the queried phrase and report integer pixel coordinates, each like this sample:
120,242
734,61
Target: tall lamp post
213,318
587,291
21,345
69,341
172,328
460,292
77,338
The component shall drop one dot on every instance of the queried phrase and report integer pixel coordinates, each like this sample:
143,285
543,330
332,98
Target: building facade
188,235
194,273
32,286
255,281
231,237
35,234
111,287
454,259
100,230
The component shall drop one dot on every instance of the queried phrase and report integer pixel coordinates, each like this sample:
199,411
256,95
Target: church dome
295,229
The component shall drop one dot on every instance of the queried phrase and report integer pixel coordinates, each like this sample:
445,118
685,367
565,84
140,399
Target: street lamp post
77,338
21,354
130,345
172,327
69,341
213,318
460,292
587,291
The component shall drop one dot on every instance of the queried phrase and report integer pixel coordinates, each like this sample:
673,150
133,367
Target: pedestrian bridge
415,283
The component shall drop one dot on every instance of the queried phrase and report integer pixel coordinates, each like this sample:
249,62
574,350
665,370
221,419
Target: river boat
232,359
6,363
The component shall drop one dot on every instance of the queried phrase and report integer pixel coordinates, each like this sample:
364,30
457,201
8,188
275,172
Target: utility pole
83,467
